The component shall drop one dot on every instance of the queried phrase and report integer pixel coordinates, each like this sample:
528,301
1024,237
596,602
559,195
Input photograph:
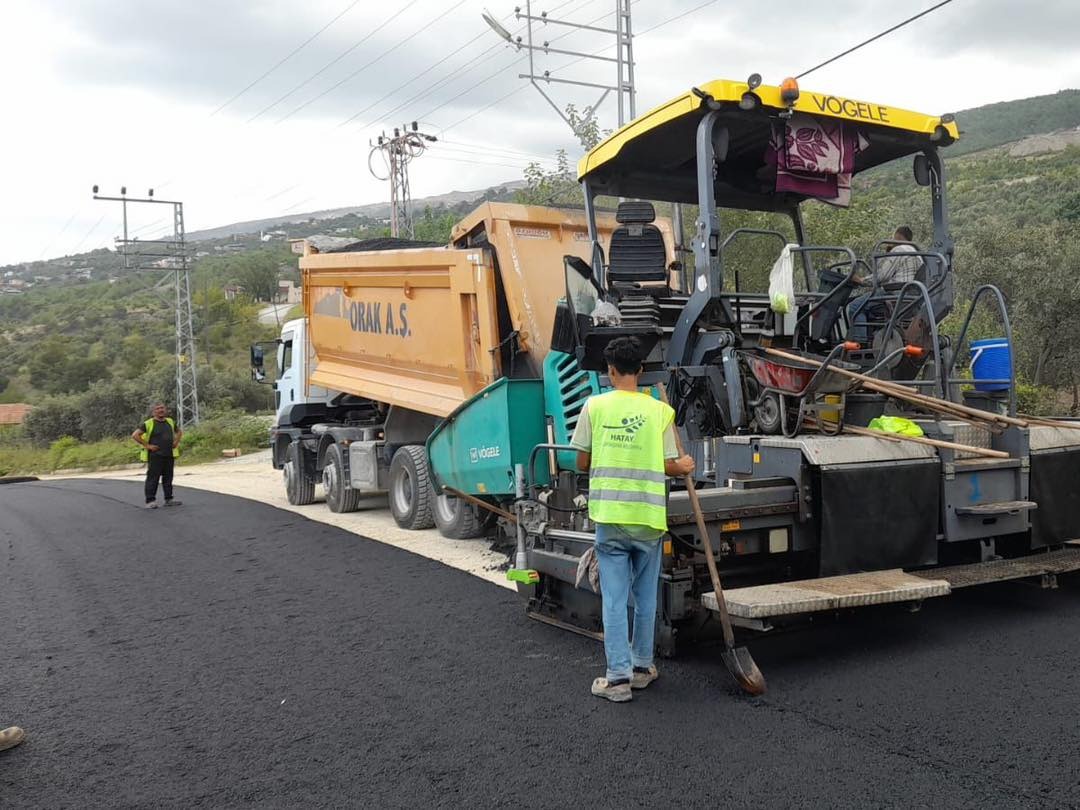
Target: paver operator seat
637,254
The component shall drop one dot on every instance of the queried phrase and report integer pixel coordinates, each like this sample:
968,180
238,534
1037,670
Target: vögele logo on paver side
478,454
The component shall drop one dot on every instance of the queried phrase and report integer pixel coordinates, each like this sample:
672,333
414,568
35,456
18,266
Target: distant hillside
378,210
996,124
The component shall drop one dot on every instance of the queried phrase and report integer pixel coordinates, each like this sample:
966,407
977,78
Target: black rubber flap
879,516
1055,486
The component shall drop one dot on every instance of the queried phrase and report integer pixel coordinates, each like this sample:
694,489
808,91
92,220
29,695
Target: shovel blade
744,670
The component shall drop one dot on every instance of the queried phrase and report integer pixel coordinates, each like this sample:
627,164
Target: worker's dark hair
624,354
904,232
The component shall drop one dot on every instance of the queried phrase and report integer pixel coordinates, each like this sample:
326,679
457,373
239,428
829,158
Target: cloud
121,91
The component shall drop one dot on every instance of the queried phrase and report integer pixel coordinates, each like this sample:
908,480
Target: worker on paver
10,737
626,440
892,273
159,438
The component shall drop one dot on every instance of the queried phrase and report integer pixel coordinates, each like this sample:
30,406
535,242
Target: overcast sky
131,91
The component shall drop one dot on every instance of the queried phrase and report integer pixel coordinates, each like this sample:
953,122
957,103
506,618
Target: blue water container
990,360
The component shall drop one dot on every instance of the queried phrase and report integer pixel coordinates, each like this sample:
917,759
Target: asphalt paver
225,653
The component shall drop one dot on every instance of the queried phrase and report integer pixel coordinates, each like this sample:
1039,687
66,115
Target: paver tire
299,486
458,520
339,496
411,495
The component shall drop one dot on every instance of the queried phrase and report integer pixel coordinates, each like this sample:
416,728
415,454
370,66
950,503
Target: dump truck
396,335
801,504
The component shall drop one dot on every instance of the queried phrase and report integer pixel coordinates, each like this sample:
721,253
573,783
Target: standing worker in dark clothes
159,438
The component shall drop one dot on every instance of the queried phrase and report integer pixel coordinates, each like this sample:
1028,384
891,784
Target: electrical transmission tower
407,144
172,256
623,59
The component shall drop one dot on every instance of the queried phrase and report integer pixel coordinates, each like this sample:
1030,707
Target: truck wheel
299,486
457,519
410,488
340,497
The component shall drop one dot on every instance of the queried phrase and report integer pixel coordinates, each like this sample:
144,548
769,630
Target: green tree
559,186
434,226
52,419
257,273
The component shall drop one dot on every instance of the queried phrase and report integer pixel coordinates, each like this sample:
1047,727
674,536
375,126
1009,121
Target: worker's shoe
172,502
10,737
615,692
150,505
643,676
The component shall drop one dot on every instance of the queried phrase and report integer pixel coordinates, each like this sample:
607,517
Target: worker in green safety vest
159,438
626,441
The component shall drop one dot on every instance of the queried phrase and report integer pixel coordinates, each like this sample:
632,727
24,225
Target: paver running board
1060,561
995,509
828,593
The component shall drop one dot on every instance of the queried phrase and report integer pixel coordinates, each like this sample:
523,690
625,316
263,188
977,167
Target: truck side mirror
922,170
258,360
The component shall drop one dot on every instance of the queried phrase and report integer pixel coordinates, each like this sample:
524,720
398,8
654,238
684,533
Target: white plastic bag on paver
606,314
782,283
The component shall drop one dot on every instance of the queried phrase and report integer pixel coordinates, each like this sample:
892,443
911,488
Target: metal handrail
924,294
835,291
723,246
532,463
1004,312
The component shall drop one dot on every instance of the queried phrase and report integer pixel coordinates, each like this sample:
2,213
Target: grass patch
200,444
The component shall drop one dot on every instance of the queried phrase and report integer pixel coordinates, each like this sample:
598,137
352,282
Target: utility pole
171,255
623,59
398,151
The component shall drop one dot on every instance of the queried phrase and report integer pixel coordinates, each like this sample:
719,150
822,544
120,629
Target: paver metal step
1060,561
998,508
827,593
887,587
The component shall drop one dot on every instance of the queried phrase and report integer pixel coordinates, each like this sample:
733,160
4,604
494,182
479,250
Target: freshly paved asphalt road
227,653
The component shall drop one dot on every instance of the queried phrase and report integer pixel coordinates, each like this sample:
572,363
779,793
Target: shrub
111,411
1035,400
52,419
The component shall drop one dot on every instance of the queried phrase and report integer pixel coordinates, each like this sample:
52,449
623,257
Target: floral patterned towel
815,157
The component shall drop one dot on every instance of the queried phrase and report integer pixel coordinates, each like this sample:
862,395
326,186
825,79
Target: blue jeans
627,566
860,314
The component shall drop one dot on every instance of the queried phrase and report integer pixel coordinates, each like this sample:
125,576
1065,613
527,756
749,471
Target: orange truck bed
419,327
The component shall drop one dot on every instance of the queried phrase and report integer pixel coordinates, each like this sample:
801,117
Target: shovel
738,660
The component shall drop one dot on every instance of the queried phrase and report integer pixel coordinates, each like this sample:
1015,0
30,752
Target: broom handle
901,392
699,518
967,448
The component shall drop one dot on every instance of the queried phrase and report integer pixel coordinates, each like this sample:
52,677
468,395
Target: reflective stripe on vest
627,484
148,430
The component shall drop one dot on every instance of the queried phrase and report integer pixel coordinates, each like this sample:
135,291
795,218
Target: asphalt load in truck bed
226,653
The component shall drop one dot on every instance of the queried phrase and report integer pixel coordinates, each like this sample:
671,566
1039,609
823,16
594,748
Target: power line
470,88
486,107
290,55
424,72
88,233
487,148
875,37
480,156
56,238
337,58
676,17
378,58
482,57
475,162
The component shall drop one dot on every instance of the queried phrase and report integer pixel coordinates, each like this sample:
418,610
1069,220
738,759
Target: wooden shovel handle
710,559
